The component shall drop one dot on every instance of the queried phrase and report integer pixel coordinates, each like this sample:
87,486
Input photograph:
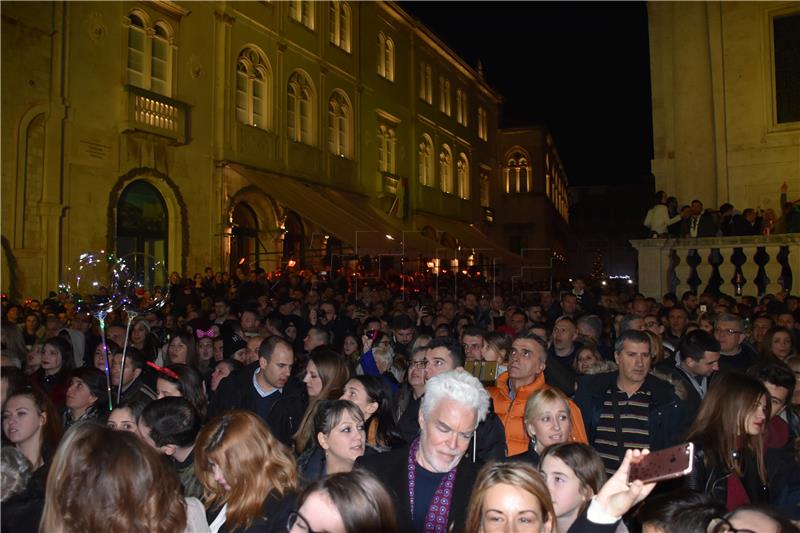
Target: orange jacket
512,413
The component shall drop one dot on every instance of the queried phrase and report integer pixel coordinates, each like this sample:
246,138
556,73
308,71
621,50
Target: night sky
581,68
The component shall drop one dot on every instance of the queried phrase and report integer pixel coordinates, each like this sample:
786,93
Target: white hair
384,355
457,385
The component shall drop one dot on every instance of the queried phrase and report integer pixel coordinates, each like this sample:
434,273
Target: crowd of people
667,219
292,404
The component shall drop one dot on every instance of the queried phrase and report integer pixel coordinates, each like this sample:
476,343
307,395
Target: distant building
257,134
726,104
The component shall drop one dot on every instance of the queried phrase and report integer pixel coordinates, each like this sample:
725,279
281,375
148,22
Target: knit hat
232,344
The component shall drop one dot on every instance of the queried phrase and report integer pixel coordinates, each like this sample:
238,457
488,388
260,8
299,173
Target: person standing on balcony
699,224
658,217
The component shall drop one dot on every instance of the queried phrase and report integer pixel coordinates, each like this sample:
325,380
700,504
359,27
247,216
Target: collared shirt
261,392
634,424
700,383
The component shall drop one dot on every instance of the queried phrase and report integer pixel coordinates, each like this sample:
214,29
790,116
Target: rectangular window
786,37
442,100
136,40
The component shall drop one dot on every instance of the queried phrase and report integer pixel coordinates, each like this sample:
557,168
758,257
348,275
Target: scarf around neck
439,508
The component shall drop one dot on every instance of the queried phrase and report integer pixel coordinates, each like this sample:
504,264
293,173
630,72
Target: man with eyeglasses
735,354
525,377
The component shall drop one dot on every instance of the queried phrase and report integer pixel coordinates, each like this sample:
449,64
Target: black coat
237,392
274,515
712,477
391,468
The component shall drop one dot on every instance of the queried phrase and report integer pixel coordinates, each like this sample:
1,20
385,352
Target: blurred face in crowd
634,361
729,336
449,310
312,380
564,333
350,345
33,359
122,419
327,313
276,371
778,397
445,434
220,310
652,324
138,334
569,304
438,360
526,360
640,307
756,419
116,334
491,353
79,396
249,322
517,322
586,359
535,313
416,370
510,508
251,351
678,320
550,424
473,345
705,366
177,353
205,349
404,336
760,327
167,389
313,340
355,392
218,344
318,513
787,320
130,374
781,345
690,302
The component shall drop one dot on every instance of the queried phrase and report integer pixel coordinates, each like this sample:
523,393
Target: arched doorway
142,222
293,242
244,238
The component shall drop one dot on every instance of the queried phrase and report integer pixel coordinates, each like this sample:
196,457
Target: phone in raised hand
664,464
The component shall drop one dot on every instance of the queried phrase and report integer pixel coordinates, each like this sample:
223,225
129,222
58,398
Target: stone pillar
653,266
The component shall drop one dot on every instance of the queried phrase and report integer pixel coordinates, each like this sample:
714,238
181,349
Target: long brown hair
334,373
106,480
720,422
52,428
254,462
520,475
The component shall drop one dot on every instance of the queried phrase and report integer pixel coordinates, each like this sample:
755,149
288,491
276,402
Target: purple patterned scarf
439,509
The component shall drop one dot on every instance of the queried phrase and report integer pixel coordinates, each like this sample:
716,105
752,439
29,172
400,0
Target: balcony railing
749,266
157,114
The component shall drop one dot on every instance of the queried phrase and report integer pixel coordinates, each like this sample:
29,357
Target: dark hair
232,364
777,374
190,384
329,413
680,511
322,333
631,335
95,381
191,347
15,378
584,461
696,343
474,331
402,322
136,404
132,354
452,346
378,391
64,348
267,347
362,500
172,421
766,345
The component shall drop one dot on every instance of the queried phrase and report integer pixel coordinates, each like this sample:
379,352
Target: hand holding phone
664,464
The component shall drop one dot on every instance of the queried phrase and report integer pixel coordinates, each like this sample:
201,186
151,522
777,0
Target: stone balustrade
759,264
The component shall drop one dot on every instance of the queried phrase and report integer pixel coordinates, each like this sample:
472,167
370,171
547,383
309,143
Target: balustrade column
726,270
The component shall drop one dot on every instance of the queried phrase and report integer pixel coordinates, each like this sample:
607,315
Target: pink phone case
664,464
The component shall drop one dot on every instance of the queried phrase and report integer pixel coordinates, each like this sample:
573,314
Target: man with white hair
421,477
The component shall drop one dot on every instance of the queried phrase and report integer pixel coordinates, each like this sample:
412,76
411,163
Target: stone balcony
157,114
758,264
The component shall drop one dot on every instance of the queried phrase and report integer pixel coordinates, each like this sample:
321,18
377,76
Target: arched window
142,221
340,129
339,15
385,57
302,11
244,237
150,53
517,173
299,109
446,169
463,176
426,168
253,89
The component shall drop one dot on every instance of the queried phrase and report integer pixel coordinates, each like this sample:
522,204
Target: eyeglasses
727,331
419,364
721,525
298,522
